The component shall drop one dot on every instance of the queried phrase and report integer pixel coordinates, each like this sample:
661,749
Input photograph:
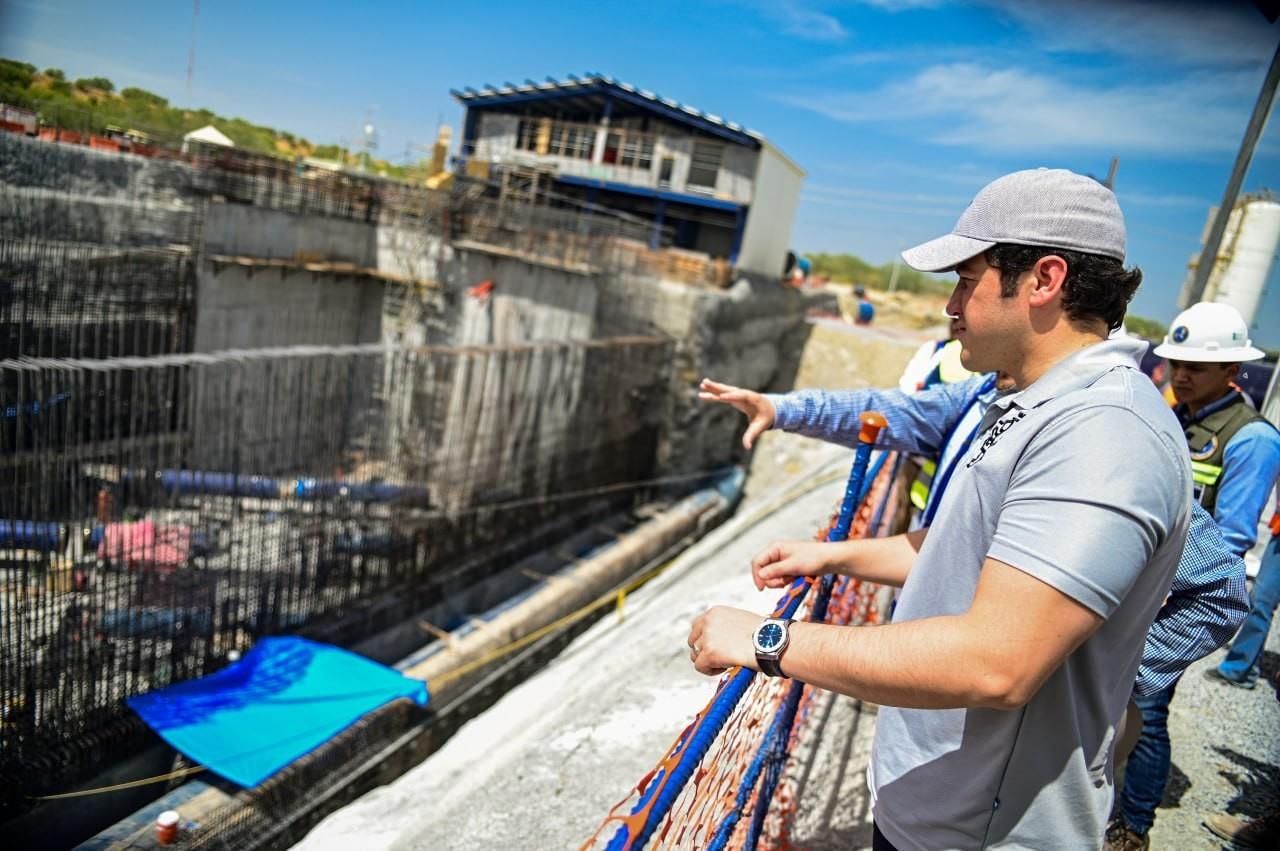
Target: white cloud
1015,110
902,5
949,201
802,20
1225,33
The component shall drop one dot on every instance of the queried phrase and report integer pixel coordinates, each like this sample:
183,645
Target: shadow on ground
1256,784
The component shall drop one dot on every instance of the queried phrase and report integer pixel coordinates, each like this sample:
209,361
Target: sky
899,110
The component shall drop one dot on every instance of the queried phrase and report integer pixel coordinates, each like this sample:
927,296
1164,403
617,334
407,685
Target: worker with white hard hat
1235,452
1235,458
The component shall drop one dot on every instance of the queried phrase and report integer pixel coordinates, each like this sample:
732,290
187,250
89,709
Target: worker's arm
1015,634
886,561
1206,603
918,423
1250,465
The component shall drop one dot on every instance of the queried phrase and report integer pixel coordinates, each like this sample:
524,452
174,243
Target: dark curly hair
1096,287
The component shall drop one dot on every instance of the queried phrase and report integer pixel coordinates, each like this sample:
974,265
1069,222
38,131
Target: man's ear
1047,277
1232,370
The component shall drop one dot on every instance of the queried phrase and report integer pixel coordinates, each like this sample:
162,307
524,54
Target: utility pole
1111,173
1258,121
369,142
893,276
191,55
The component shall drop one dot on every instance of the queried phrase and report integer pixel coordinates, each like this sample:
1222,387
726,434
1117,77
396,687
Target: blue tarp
286,697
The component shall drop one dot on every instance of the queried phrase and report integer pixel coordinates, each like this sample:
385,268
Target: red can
167,827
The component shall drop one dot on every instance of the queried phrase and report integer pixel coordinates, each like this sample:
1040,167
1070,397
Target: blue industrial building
706,184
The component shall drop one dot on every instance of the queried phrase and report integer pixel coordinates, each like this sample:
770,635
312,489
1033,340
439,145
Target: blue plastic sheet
286,697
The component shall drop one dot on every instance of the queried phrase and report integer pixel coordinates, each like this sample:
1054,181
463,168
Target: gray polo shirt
1083,481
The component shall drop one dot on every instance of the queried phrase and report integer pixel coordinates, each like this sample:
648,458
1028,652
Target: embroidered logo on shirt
1002,425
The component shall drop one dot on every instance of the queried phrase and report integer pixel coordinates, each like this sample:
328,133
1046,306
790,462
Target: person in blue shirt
866,310
1235,458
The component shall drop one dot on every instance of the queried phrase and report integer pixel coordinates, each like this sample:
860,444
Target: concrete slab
542,767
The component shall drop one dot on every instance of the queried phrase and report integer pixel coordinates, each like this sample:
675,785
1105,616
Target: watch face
769,636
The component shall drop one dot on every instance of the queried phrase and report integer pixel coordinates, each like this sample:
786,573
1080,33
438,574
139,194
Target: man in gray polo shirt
1016,639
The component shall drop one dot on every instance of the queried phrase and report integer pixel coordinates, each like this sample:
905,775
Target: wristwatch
770,640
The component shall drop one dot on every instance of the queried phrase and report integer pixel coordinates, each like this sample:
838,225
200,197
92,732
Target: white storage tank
1244,259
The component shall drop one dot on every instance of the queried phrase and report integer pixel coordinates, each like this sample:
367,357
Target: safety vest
1207,439
923,484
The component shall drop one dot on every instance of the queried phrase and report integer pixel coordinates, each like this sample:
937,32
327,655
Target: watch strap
769,666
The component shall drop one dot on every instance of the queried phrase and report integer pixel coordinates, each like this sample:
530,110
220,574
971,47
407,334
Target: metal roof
601,84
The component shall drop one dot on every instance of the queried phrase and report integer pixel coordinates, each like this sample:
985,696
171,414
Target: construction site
449,426
245,400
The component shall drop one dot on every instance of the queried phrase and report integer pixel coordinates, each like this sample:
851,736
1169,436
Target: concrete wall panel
244,230
246,308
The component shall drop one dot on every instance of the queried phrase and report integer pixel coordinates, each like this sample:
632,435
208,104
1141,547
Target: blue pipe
265,487
206,482
154,621
358,491
30,535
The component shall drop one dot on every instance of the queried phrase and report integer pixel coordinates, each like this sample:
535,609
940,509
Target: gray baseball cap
1044,206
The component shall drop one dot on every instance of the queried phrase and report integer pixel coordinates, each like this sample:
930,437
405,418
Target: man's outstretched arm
918,423
1015,634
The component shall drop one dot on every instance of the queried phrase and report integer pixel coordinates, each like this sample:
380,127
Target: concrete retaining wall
751,335
245,308
80,170
244,230
529,301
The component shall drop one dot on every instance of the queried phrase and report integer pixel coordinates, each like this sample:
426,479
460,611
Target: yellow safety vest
1207,440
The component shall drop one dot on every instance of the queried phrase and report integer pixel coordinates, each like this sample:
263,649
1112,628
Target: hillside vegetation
90,104
852,269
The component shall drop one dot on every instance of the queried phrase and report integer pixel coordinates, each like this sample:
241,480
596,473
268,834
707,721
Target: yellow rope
159,778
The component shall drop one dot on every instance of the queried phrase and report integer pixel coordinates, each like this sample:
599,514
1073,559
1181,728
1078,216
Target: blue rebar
773,750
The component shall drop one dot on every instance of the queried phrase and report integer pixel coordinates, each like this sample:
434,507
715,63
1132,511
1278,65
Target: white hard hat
1209,332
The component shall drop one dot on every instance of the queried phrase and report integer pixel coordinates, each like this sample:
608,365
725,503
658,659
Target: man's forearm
934,663
886,561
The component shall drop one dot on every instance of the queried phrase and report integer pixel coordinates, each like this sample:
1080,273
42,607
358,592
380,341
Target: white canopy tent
209,135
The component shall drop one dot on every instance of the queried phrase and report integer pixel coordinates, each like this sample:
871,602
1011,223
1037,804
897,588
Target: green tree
16,73
1147,328
142,97
849,268
54,74
100,84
